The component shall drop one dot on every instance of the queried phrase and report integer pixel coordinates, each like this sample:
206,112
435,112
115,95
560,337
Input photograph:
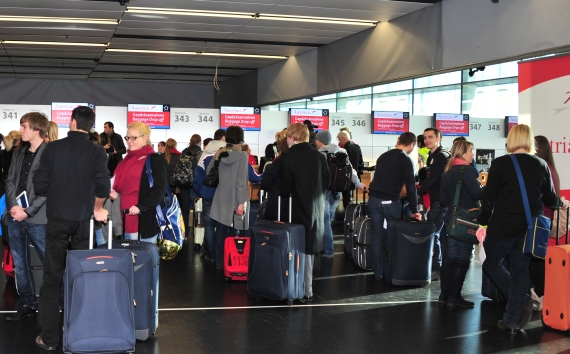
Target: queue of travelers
67,181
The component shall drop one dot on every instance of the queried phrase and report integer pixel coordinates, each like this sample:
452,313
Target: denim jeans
380,211
332,201
514,284
436,216
99,238
186,198
21,234
210,229
458,250
135,236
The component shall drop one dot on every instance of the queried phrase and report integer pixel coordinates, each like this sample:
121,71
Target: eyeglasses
133,138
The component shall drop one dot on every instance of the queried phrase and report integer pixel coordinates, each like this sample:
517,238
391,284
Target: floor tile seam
298,306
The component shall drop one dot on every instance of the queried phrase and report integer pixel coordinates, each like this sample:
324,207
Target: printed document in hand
22,200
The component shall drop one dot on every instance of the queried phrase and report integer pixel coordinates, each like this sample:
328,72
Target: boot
457,277
445,275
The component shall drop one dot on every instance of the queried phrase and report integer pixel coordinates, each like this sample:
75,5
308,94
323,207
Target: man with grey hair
355,156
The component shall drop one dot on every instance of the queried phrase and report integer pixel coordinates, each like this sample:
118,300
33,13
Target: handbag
538,232
169,216
213,177
464,222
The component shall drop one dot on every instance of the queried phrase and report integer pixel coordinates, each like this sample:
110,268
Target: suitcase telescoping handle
558,224
279,207
91,230
125,212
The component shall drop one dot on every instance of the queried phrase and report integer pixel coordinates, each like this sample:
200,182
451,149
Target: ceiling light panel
44,19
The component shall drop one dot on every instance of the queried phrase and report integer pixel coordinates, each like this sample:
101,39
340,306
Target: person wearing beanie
324,145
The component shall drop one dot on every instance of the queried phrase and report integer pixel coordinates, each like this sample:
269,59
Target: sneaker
23,312
434,275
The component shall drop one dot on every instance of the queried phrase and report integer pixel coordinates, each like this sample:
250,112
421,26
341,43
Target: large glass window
499,71
491,99
357,104
393,101
293,104
444,99
273,107
394,86
358,92
438,80
329,104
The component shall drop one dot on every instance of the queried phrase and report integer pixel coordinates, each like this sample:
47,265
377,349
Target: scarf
227,149
127,183
458,162
173,151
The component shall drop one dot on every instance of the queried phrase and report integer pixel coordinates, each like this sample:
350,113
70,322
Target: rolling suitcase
408,252
277,259
556,305
104,279
147,266
199,223
353,211
362,240
236,250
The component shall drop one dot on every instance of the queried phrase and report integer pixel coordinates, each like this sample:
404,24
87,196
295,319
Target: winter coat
306,176
232,189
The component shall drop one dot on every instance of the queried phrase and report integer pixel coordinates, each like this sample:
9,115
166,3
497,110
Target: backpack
341,171
184,170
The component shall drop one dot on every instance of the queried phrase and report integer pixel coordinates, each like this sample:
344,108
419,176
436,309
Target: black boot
457,277
445,275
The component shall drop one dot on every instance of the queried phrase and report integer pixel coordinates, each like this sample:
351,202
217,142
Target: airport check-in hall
382,68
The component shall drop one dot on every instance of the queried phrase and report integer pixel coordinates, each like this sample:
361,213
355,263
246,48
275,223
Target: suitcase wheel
290,302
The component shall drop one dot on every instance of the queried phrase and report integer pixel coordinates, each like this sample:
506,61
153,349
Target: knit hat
324,136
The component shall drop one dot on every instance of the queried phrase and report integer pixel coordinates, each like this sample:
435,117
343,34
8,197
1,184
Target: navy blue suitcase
147,265
104,279
408,252
277,260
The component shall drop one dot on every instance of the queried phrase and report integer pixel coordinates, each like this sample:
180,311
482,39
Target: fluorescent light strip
197,53
96,21
57,43
154,10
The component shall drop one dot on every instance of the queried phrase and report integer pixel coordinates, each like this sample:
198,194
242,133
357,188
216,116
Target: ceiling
167,32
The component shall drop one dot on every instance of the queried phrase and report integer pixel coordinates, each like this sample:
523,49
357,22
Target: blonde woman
503,224
53,132
131,182
172,156
11,142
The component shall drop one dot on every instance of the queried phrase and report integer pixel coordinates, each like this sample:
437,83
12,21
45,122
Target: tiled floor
351,313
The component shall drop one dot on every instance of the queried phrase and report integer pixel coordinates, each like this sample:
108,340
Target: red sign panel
390,122
248,118
318,117
61,112
511,122
156,116
452,124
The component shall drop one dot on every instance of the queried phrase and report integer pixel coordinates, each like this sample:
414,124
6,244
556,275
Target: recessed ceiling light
183,12
56,43
196,53
96,21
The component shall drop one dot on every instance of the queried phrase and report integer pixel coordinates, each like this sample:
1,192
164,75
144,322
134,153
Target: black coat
116,141
305,175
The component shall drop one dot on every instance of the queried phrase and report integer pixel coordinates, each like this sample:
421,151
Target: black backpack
341,171
184,170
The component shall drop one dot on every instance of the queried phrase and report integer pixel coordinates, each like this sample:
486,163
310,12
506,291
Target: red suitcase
236,251
556,306
8,262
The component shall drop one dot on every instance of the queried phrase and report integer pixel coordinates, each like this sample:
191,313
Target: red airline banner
390,122
61,112
452,124
248,118
156,116
318,117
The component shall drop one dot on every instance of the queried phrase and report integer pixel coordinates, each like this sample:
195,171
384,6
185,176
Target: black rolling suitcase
147,265
37,266
362,240
408,252
353,211
277,260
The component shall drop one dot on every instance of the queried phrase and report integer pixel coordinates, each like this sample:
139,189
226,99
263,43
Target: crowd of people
68,181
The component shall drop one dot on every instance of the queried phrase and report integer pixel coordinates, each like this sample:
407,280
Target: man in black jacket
73,176
437,159
113,144
355,156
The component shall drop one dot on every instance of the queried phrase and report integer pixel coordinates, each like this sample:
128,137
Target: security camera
495,1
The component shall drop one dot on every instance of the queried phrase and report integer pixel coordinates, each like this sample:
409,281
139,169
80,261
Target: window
394,86
393,101
444,99
510,69
329,104
491,99
438,80
358,104
293,104
358,92
273,107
